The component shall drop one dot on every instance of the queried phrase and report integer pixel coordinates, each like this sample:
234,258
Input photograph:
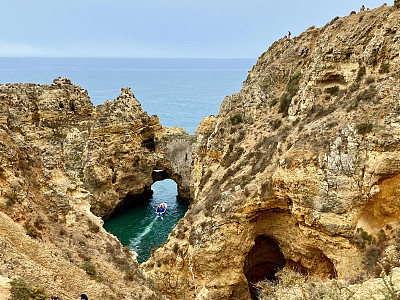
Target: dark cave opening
132,201
262,262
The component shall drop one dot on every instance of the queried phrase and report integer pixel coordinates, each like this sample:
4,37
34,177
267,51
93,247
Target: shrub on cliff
295,286
12,198
236,119
20,290
333,90
89,268
293,84
361,73
291,89
284,104
364,128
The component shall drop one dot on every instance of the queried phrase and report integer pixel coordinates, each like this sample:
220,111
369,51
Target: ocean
180,91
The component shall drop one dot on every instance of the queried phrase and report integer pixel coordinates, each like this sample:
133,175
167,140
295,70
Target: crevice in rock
149,143
263,261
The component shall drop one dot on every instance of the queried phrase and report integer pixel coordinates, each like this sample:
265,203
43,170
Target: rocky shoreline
299,170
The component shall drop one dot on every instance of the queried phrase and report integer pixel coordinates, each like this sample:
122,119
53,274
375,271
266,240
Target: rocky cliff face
64,163
300,169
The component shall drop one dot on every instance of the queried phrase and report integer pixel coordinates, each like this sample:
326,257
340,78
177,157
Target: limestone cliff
300,169
295,165
64,163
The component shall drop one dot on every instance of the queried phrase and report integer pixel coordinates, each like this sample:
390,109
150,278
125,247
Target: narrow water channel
140,228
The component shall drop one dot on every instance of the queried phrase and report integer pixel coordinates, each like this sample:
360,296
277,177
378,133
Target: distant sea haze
180,91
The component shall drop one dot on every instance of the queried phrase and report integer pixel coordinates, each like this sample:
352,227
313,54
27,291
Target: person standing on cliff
289,34
362,8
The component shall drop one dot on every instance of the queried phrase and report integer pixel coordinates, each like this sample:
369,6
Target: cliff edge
300,169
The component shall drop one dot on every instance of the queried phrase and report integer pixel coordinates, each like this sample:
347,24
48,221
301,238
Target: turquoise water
180,91
140,228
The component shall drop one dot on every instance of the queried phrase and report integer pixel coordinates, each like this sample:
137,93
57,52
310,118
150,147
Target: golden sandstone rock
295,165
300,169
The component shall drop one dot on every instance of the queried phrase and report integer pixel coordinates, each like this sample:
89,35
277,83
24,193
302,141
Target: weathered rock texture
296,165
300,169
63,164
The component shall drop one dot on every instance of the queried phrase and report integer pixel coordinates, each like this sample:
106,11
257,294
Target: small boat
161,209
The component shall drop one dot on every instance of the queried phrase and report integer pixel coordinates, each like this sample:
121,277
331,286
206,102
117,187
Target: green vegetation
333,90
367,95
236,119
20,290
364,128
361,73
89,268
362,238
378,262
11,200
293,84
273,102
284,104
294,285
322,111
354,87
291,89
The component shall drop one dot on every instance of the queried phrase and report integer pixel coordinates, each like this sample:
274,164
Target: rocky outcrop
64,164
295,166
299,170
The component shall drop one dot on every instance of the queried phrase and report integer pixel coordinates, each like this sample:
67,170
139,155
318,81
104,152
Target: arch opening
262,262
138,227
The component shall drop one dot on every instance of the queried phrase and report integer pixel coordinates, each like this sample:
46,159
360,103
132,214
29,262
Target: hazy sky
159,28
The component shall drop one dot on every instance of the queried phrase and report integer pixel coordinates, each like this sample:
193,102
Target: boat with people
161,209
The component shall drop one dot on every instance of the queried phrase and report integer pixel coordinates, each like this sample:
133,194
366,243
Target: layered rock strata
295,166
64,164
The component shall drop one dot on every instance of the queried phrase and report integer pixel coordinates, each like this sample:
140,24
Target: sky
159,28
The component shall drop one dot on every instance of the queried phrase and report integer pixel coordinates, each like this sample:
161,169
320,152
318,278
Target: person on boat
160,209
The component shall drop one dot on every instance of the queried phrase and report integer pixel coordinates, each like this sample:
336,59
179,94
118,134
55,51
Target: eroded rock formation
295,165
300,169
64,163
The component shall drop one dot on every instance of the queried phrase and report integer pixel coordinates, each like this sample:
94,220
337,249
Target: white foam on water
135,242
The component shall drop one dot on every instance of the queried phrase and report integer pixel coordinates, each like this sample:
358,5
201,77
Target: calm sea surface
180,91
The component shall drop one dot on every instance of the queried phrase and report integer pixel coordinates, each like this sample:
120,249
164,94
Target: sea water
140,228
180,91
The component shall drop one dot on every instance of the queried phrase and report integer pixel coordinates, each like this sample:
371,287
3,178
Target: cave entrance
139,228
262,262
